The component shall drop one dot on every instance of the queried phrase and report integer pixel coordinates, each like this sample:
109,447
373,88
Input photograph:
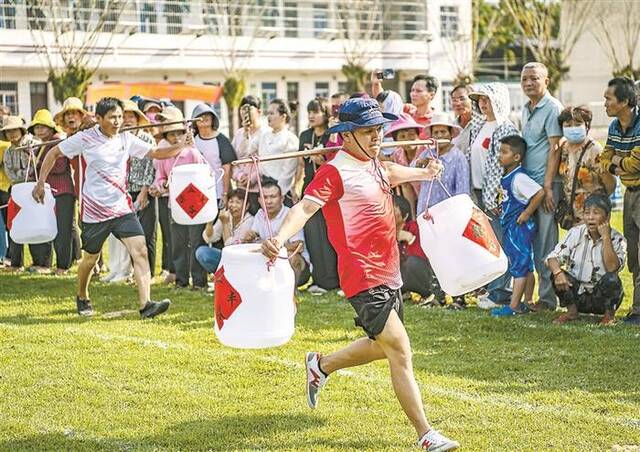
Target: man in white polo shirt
354,191
106,207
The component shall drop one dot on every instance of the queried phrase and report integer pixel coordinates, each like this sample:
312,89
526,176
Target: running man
354,192
106,206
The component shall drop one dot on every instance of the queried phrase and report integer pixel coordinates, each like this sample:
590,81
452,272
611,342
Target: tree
69,46
234,26
359,26
538,22
617,30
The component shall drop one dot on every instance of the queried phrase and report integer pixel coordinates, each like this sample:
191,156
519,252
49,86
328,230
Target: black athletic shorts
373,307
95,234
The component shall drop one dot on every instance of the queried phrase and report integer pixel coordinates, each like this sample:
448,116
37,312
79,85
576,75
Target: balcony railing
322,19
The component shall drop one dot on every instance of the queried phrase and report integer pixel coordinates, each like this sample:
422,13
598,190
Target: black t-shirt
308,137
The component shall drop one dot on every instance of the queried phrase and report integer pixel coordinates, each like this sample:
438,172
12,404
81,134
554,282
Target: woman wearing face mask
579,168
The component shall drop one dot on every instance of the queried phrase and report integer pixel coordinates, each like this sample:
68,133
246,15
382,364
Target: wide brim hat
70,104
10,123
479,91
202,109
358,113
405,121
443,119
171,114
132,107
43,118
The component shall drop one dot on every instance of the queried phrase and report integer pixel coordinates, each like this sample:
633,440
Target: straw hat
12,122
70,104
443,119
170,114
43,118
405,121
131,106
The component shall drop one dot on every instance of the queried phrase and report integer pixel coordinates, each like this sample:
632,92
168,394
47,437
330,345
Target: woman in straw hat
61,182
19,167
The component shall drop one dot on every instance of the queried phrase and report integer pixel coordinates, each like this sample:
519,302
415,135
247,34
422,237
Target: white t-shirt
479,150
524,188
261,228
281,170
104,191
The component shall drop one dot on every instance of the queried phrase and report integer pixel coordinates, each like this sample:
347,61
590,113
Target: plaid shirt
141,171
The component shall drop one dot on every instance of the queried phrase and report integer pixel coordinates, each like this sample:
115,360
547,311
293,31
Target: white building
296,52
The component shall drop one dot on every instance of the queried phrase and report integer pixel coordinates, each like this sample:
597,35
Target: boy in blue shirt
520,197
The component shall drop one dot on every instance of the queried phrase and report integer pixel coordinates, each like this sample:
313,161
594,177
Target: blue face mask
575,134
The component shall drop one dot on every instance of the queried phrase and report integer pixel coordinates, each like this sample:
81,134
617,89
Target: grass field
114,382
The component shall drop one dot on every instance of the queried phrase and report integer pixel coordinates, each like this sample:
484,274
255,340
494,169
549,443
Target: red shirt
414,249
357,205
424,121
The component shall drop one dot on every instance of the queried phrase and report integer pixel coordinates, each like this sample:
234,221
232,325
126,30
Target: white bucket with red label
462,248
192,194
28,221
253,301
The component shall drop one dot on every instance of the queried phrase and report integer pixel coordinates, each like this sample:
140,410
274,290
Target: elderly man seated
585,265
269,220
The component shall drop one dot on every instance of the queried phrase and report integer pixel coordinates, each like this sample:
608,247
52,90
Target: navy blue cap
358,113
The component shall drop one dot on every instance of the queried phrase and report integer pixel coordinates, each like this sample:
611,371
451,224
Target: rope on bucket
434,155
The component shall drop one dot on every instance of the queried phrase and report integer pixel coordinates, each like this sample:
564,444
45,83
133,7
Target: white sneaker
316,379
434,441
108,278
341,293
316,290
484,302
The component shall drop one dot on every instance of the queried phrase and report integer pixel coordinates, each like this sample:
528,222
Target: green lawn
114,382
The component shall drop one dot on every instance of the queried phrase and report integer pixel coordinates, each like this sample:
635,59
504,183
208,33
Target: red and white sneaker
434,441
316,379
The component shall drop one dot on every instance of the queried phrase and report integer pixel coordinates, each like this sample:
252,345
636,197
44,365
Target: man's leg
148,219
180,253
543,243
198,273
631,228
85,269
208,258
359,352
138,250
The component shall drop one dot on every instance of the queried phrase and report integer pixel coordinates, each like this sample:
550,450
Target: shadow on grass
225,433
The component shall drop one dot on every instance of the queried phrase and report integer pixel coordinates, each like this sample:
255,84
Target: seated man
585,265
276,212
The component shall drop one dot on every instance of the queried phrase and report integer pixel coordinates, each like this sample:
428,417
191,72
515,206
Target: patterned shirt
455,179
589,175
17,162
141,171
582,258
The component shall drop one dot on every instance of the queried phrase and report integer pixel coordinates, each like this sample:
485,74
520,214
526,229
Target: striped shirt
625,144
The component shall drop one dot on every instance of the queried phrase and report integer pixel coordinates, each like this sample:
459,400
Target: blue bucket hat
358,113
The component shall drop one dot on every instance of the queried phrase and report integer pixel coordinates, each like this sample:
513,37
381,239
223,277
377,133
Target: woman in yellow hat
60,180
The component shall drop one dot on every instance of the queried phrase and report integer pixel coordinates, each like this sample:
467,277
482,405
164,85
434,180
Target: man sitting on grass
585,265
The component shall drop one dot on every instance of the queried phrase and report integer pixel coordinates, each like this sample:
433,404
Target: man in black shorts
106,207
354,192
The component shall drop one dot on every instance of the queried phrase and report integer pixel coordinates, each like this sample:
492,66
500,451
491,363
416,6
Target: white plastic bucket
462,248
253,303
30,222
192,193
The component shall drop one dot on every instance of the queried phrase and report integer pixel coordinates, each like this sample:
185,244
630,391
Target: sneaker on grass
154,308
316,378
508,311
84,307
316,290
434,441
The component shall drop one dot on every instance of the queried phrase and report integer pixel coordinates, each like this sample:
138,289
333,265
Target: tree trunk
233,91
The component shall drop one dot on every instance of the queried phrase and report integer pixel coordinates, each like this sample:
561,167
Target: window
322,89
268,11
148,18
7,14
446,98
9,96
39,98
448,21
174,10
320,18
269,92
292,99
290,20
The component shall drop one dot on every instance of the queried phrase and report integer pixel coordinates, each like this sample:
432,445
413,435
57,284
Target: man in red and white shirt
106,207
354,192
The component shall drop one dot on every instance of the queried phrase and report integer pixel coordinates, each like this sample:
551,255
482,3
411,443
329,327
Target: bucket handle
434,155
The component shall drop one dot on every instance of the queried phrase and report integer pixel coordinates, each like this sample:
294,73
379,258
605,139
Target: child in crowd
520,197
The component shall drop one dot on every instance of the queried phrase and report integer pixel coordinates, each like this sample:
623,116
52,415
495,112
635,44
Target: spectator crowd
530,181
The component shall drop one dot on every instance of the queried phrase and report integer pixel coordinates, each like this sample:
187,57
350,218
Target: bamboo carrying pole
126,129
319,151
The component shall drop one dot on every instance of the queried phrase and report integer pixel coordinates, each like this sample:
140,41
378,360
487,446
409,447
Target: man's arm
47,165
399,174
609,257
629,164
534,203
553,163
293,222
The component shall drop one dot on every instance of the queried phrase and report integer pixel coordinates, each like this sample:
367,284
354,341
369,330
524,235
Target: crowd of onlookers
529,180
